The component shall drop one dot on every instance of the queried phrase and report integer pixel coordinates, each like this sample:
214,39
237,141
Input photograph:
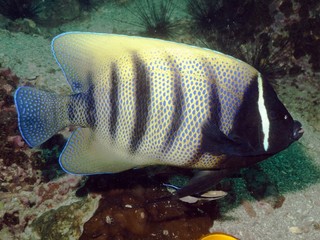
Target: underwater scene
160,119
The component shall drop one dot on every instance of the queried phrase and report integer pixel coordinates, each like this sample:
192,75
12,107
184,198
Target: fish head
283,129
263,125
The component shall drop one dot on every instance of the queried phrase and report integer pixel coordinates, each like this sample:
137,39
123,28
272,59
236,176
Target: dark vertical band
90,103
142,101
82,107
177,117
114,101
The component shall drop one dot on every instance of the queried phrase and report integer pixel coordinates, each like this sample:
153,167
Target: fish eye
274,115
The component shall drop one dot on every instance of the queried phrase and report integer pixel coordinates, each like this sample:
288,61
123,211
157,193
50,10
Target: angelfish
140,101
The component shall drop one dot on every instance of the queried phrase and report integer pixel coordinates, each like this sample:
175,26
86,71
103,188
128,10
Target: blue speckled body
142,101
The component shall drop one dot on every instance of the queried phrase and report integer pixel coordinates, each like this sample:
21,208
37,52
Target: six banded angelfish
140,101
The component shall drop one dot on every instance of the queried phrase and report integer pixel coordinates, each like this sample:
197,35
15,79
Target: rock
23,25
295,230
65,222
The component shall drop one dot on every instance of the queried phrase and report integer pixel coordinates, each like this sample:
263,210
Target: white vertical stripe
263,114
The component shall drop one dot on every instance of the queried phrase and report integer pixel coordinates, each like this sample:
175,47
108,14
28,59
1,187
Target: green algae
292,169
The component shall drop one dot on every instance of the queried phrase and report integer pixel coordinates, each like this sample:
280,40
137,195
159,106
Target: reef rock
66,222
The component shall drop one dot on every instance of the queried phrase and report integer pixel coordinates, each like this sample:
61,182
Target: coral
26,185
295,22
31,199
305,36
9,136
288,46
50,151
154,17
15,9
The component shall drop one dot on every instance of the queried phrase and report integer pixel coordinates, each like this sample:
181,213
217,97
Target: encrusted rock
66,222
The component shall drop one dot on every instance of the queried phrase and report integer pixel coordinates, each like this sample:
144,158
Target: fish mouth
297,130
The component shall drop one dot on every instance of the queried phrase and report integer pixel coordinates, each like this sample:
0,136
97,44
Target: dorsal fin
77,55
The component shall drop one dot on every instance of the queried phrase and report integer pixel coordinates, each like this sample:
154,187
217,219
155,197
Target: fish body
140,101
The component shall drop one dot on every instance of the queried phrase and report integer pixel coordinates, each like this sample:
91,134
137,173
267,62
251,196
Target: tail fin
40,114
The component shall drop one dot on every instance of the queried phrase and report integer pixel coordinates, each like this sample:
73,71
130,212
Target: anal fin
84,154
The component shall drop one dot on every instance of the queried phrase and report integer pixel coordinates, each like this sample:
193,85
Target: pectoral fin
197,188
201,182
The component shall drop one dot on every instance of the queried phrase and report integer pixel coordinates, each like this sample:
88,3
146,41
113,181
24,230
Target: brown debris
136,214
249,209
279,201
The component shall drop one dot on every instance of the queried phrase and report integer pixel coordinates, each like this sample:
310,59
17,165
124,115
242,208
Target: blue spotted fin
40,114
